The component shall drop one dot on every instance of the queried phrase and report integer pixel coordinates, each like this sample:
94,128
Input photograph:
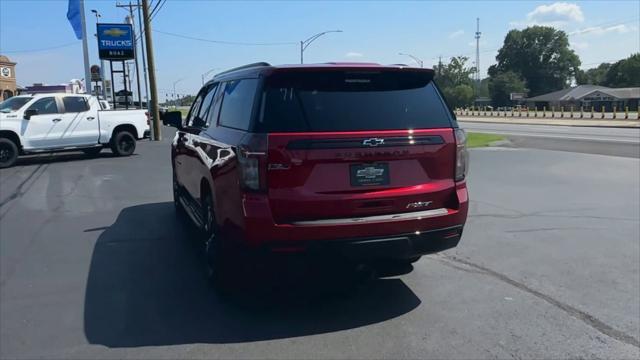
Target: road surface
94,264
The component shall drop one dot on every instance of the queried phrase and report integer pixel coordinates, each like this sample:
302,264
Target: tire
91,152
123,143
220,273
8,153
180,211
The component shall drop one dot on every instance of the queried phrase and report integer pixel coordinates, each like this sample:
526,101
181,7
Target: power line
154,8
42,49
153,14
226,42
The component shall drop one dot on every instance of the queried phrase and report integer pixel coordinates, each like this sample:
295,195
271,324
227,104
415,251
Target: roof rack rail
399,65
248,66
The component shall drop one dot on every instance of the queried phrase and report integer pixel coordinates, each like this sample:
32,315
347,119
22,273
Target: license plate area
373,174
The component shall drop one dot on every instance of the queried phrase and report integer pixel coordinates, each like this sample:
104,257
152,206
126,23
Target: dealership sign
115,41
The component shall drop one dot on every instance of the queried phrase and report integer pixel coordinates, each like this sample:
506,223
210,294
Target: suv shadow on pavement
146,286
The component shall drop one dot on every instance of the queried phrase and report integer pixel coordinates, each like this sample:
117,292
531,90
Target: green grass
481,140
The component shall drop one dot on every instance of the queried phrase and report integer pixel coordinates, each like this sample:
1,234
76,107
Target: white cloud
599,30
353,54
579,45
455,34
558,15
556,12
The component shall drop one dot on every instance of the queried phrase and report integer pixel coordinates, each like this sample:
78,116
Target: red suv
361,161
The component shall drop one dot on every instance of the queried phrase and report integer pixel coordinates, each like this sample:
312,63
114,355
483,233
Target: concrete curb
556,122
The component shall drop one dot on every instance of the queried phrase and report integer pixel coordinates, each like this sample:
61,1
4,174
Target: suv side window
195,107
200,120
75,104
44,106
212,117
237,105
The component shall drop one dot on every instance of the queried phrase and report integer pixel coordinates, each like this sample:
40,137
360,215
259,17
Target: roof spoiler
248,66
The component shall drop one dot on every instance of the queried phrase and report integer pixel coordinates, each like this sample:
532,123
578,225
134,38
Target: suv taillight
252,159
462,155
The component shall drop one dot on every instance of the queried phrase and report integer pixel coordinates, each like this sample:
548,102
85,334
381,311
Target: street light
174,90
104,92
207,73
304,44
415,58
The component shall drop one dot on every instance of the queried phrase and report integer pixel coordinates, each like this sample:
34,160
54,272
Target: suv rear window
351,101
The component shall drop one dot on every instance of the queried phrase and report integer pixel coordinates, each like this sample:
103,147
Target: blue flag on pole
73,14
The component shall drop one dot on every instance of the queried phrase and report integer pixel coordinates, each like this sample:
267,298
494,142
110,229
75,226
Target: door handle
56,120
90,118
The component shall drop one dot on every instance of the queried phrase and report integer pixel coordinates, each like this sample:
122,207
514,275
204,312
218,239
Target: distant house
586,96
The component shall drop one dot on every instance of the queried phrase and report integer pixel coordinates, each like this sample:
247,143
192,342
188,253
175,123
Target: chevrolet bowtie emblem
373,142
115,32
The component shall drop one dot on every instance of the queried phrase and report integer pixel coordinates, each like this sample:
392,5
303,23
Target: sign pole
126,91
85,50
113,88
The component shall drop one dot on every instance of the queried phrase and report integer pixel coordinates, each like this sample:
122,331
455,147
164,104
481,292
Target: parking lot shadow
146,287
48,158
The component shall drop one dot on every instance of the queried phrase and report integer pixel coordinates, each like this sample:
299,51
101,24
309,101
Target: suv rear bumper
398,235
394,246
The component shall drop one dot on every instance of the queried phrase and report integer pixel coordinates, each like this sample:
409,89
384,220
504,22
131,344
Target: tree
624,73
502,85
593,76
459,96
455,81
540,55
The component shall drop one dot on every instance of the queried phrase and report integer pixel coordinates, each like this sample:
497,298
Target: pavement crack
22,188
586,318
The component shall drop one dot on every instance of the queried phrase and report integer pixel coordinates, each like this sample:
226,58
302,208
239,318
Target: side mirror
29,113
172,118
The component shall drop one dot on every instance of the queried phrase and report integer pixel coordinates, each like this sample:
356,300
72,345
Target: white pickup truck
61,122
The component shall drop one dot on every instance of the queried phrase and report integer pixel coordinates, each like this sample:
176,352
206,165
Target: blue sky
372,31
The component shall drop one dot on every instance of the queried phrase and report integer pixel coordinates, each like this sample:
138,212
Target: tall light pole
174,89
304,44
415,58
98,16
207,73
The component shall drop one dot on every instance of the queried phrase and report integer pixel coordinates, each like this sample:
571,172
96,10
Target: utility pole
130,20
155,113
477,57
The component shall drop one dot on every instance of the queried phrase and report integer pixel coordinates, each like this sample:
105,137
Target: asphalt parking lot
93,264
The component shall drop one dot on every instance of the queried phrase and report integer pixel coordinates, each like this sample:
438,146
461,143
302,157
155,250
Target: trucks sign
115,41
